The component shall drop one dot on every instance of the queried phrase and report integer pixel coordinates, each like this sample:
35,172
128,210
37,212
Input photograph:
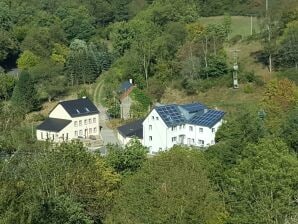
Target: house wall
155,139
59,112
164,137
83,126
124,140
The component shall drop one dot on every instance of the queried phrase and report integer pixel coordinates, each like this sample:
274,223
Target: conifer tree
24,94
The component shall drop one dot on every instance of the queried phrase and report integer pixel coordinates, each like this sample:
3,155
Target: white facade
78,127
157,136
125,140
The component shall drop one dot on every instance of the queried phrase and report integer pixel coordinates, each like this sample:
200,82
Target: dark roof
208,119
79,107
133,129
195,113
124,86
53,124
193,107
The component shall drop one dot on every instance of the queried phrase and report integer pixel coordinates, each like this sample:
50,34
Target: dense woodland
52,49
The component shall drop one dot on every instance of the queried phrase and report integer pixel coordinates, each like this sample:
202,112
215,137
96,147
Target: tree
263,185
280,97
170,188
61,210
24,95
61,184
289,130
27,60
287,49
7,83
76,22
49,78
8,45
128,159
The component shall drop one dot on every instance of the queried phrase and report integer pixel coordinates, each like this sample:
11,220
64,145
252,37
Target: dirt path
108,135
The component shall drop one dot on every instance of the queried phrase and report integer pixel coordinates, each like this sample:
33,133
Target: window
183,126
76,124
47,135
80,123
94,120
94,130
213,130
81,132
157,118
201,130
174,139
193,141
201,142
76,133
85,121
190,128
150,127
90,120
150,138
152,117
180,127
90,130
174,128
41,135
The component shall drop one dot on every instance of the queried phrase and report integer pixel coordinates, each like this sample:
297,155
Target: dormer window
77,111
87,110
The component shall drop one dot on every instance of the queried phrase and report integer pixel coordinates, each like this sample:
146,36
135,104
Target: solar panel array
170,115
210,118
193,107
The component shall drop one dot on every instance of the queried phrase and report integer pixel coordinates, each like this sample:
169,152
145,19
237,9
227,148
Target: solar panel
208,119
170,114
193,107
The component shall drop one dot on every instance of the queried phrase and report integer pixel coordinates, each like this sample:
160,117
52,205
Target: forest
176,51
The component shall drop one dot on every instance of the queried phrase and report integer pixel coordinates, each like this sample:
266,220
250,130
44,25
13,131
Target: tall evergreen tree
24,94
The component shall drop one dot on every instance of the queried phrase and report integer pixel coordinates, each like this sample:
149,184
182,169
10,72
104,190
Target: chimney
130,80
205,110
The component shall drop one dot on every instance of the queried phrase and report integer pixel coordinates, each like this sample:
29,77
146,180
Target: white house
190,124
70,120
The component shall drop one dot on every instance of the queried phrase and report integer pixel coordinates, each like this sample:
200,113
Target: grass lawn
241,25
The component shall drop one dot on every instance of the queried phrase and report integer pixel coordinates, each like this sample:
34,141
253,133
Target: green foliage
114,109
280,97
49,79
170,188
141,103
7,84
129,159
85,62
65,182
8,44
289,130
288,47
263,184
61,210
27,60
77,22
24,97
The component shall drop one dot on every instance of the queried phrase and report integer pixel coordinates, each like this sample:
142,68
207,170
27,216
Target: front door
86,133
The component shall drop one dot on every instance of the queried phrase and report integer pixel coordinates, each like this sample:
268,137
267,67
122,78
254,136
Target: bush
248,89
